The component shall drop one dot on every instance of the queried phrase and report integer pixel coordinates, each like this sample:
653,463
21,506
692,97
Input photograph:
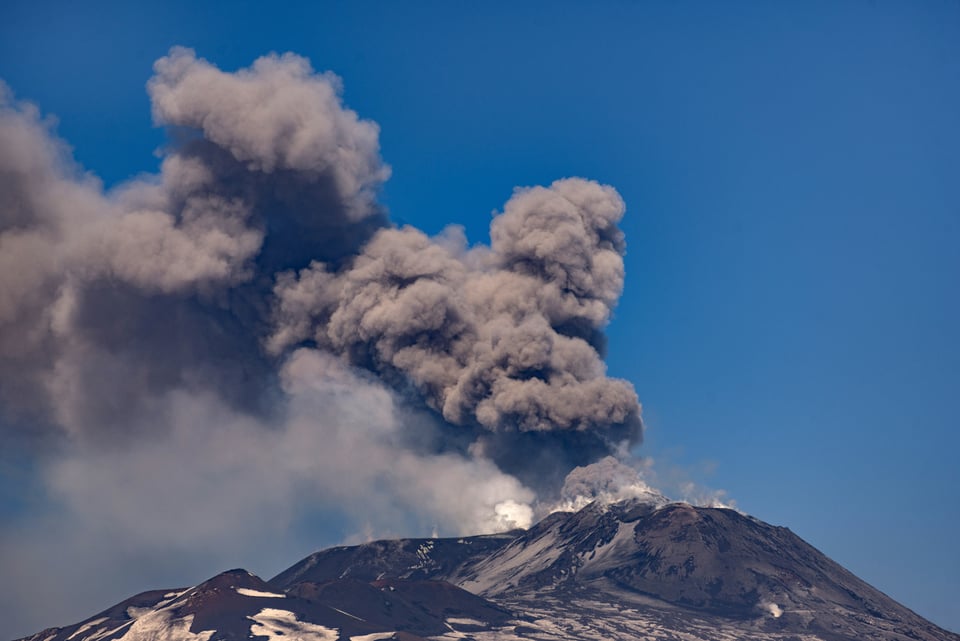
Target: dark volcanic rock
400,558
229,602
708,561
420,607
721,560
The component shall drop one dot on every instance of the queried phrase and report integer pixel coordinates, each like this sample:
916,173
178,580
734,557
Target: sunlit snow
86,626
376,636
249,592
281,625
161,626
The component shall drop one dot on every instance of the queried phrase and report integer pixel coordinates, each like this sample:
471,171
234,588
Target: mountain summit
623,571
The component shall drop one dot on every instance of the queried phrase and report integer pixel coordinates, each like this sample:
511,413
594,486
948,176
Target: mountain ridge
621,571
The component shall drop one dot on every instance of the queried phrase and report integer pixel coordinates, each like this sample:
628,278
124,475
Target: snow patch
270,595
507,566
610,553
423,556
281,625
161,626
107,633
348,614
376,636
86,626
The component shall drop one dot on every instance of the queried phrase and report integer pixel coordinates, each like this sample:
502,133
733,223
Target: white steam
607,481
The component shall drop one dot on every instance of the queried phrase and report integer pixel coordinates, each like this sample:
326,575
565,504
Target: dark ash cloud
496,337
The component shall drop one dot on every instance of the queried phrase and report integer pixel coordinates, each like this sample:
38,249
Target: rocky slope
625,571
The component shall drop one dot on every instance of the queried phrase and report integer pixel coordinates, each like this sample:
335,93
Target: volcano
621,571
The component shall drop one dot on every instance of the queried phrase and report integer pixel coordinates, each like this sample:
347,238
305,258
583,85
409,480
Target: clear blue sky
792,178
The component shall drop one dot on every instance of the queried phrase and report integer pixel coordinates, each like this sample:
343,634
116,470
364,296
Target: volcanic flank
624,571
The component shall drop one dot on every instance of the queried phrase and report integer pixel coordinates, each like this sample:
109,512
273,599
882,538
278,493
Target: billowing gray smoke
487,335
107,300
181,279
245,333
498,337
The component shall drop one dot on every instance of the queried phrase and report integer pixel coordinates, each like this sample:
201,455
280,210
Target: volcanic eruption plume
246,333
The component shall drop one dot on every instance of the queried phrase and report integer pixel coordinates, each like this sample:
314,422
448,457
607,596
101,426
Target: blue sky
793,212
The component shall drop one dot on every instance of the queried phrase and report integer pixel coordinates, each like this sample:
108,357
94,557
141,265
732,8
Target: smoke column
244,337
262,234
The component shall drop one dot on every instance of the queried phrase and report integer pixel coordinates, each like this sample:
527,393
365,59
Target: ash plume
495,338
165,281
245,333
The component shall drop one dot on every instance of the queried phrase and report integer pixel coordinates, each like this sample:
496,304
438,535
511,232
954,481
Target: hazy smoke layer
220,350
